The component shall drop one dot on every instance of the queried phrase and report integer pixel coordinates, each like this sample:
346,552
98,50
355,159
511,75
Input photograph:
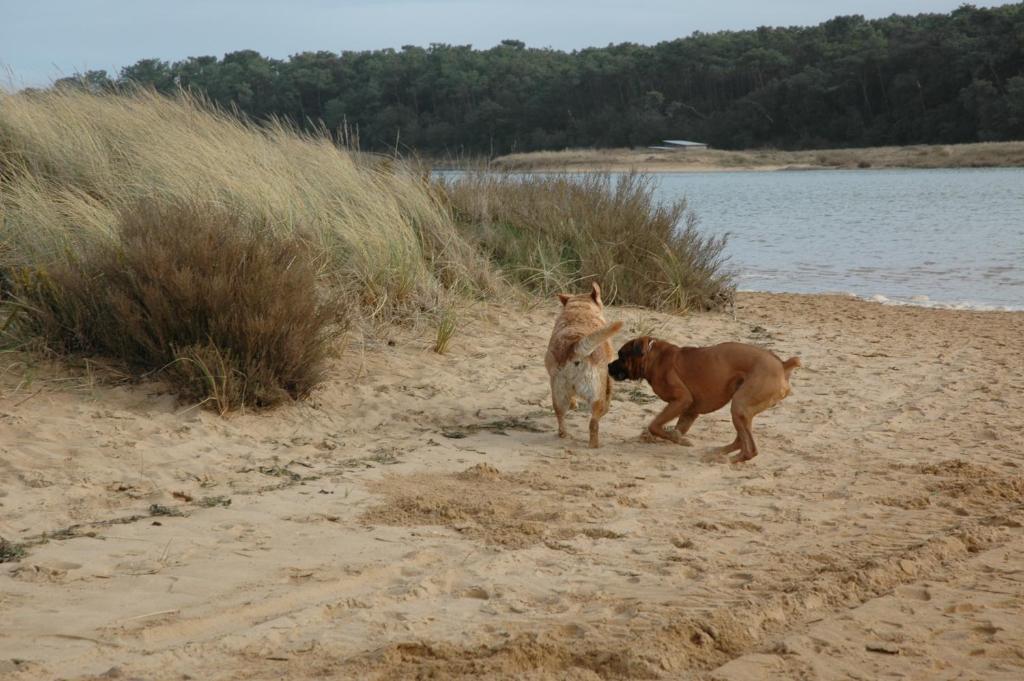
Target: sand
979,155
419,518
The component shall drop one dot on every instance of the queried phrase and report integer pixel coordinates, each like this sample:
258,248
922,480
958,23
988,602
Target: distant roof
685,143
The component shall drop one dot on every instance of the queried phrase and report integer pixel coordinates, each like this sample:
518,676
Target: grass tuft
446,328
11,552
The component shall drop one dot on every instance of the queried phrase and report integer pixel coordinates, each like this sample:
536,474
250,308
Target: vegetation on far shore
980,155
229,258
847,82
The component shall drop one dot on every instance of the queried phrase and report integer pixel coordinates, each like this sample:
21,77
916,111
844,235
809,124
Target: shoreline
920,301
975,155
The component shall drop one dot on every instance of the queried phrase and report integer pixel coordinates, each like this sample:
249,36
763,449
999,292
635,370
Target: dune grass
72,161
177,238
228,257
560,232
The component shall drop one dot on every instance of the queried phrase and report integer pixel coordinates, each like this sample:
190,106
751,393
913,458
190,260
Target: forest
848,82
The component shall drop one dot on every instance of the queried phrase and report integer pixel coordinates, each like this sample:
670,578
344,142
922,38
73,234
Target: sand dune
419,518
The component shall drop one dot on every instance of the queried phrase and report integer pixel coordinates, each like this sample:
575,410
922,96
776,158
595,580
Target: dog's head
589,300
630,364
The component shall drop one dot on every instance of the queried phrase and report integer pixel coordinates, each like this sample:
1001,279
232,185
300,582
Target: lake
929,237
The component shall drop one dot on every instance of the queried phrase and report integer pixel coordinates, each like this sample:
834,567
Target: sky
42,40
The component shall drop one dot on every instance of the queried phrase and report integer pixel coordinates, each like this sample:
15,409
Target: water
930,237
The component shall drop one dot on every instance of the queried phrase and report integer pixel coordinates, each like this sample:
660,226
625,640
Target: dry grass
989,154
447,325
176,238
559,233
72,162
170,237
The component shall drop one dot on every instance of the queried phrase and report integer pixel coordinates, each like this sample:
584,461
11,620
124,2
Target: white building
684,145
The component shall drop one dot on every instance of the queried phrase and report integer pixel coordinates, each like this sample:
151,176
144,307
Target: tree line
848,82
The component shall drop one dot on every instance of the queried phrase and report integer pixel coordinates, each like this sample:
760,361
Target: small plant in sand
10,552
446,327
643,325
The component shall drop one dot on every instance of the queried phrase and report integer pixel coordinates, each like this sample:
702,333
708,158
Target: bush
226,311
560,232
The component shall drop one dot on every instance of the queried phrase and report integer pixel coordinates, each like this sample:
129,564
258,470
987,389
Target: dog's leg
598,409
731,447
560,403
671,411
721,454
748,448
685,422
750,400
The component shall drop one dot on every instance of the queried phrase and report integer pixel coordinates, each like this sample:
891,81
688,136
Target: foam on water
913,301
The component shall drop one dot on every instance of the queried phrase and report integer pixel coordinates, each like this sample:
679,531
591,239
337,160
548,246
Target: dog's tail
790,364
588,344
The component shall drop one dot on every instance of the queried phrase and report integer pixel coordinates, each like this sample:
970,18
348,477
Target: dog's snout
616,370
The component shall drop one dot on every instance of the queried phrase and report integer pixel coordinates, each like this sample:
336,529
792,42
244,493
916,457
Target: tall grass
560,232
72,161
180,239
227,256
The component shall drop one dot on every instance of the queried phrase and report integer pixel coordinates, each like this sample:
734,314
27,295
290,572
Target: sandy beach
419,517
978,155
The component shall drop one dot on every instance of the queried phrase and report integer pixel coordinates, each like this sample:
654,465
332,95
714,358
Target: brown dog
578,356
697,381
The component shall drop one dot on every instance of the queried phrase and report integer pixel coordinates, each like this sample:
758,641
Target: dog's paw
714,456
681,439
563,434
648,436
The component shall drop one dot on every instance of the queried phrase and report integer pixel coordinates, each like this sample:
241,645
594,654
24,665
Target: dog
697,381
577,358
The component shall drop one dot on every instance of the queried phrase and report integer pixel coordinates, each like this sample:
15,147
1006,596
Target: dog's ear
564,297
638,347
595,293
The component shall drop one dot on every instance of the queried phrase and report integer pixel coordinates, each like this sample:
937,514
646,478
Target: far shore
981,155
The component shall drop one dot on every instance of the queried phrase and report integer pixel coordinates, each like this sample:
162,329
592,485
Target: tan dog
578,356
698,381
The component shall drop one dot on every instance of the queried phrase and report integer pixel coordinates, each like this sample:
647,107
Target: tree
937,78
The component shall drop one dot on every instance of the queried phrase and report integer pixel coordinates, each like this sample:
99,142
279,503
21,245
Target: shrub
560,232
225,310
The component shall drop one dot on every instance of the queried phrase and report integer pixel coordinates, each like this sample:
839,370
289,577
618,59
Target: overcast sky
41,40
